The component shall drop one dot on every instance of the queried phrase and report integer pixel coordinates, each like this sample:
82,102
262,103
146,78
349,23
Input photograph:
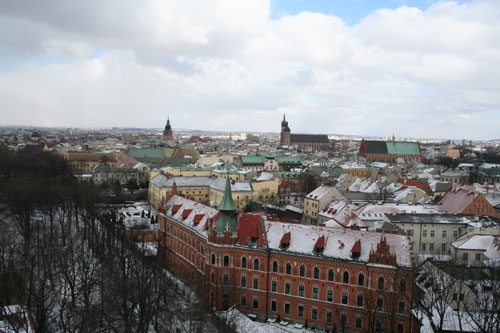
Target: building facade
390,151
312,141
322,277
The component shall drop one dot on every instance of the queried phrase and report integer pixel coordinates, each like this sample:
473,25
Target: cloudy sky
418,68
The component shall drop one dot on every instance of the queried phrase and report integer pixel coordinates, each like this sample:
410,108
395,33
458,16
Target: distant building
168,136
313,141
389,151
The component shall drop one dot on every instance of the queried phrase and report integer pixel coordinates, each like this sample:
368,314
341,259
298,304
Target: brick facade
243,269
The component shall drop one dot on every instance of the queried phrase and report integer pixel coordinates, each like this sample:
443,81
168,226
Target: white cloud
225,65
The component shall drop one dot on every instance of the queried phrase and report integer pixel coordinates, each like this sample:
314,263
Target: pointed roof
227,204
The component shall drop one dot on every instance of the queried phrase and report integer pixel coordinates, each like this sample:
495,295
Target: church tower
285,132
167,132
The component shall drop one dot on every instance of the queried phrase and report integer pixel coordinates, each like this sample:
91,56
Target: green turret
227,219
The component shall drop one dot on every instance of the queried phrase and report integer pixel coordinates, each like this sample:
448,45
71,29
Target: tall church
313,141
168,136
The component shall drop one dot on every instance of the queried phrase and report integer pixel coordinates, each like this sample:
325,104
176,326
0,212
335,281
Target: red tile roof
197,218
176,208
320,243
286,238
249,226
186,213
356,248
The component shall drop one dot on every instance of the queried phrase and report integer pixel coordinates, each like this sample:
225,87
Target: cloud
226,65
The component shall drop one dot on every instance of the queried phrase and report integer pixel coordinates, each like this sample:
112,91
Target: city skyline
422,69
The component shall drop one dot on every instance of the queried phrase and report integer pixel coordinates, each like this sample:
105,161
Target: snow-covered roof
264,176
490,244
162,181
219,184
338,242
319,193
375,211
190,213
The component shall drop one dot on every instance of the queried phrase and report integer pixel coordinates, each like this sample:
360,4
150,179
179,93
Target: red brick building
313,141
325,277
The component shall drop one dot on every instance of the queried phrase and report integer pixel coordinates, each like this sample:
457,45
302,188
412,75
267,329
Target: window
288,286
255,282
315,292
243,281
213,259
226,261
381,282
465,256
243,262
424,246
380,304
454,296
424,233
329,295
400,328
314,314
461,297
329,316
287,308
302,270
401,307
444,233
300,311
343,319
212,277
402,286
455,233
360,300
411,233
243,300
378,326
478,256
346,277
443,247
256,264
361,279
273,306
255,303
288,268
274,286
345,296
431,247
275,267
316,273
359,322
331,275
225,279
432,233
301,290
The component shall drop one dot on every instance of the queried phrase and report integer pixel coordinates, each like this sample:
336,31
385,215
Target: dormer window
320,245
285,241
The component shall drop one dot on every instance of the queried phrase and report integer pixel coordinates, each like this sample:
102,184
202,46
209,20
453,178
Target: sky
415,68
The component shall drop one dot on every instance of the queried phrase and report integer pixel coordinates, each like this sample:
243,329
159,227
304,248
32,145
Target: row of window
315,313
411,232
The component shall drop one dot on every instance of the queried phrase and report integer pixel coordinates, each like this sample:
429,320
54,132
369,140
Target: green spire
227,204
227,219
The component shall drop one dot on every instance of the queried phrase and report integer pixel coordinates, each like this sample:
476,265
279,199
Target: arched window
316,273
361,279
213,259
256,264
346,277
331,275
275,267
380,304
288,268
402,286
302,270
226,261
381,282
243,262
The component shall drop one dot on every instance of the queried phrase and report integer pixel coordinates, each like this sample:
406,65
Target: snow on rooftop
196,209
374,210
338,243
264,176
319,192
220,183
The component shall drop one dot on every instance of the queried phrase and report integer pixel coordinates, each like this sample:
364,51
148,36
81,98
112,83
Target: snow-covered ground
132,216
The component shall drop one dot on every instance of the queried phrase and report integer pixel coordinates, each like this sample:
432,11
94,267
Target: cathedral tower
285,132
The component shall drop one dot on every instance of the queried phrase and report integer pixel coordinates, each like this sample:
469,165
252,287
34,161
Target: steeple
227,219
167,132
